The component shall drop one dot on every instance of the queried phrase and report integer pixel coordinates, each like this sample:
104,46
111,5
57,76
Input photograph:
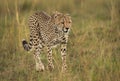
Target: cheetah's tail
27,46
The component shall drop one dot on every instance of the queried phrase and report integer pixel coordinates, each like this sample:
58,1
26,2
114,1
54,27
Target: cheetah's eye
55,16
69,22
62,22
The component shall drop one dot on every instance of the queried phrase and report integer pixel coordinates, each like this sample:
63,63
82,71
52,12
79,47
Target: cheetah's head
63,21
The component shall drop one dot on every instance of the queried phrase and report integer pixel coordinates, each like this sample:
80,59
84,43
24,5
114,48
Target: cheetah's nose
67,29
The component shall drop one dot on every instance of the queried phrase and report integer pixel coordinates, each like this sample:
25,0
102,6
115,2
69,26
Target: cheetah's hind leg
39,64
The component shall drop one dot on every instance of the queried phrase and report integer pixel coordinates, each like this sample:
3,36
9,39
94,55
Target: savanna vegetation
93,47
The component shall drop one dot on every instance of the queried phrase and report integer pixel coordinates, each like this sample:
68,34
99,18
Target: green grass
93,47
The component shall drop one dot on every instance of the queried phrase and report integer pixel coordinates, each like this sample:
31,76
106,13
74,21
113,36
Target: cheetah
48,30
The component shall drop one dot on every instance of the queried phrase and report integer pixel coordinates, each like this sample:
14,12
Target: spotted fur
48,30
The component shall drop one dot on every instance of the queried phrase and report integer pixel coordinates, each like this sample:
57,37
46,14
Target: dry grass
93,48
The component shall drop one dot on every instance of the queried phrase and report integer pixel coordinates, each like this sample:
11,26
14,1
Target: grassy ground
93,48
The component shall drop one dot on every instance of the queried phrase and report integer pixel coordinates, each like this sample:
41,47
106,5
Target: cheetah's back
43,26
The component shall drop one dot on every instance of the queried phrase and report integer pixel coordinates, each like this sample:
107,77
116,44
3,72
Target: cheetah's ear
56,13
67,15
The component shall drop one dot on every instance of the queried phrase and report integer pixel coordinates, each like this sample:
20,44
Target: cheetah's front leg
63,55
50,58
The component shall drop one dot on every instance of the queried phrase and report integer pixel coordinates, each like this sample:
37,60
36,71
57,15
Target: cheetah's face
66,23
63,22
